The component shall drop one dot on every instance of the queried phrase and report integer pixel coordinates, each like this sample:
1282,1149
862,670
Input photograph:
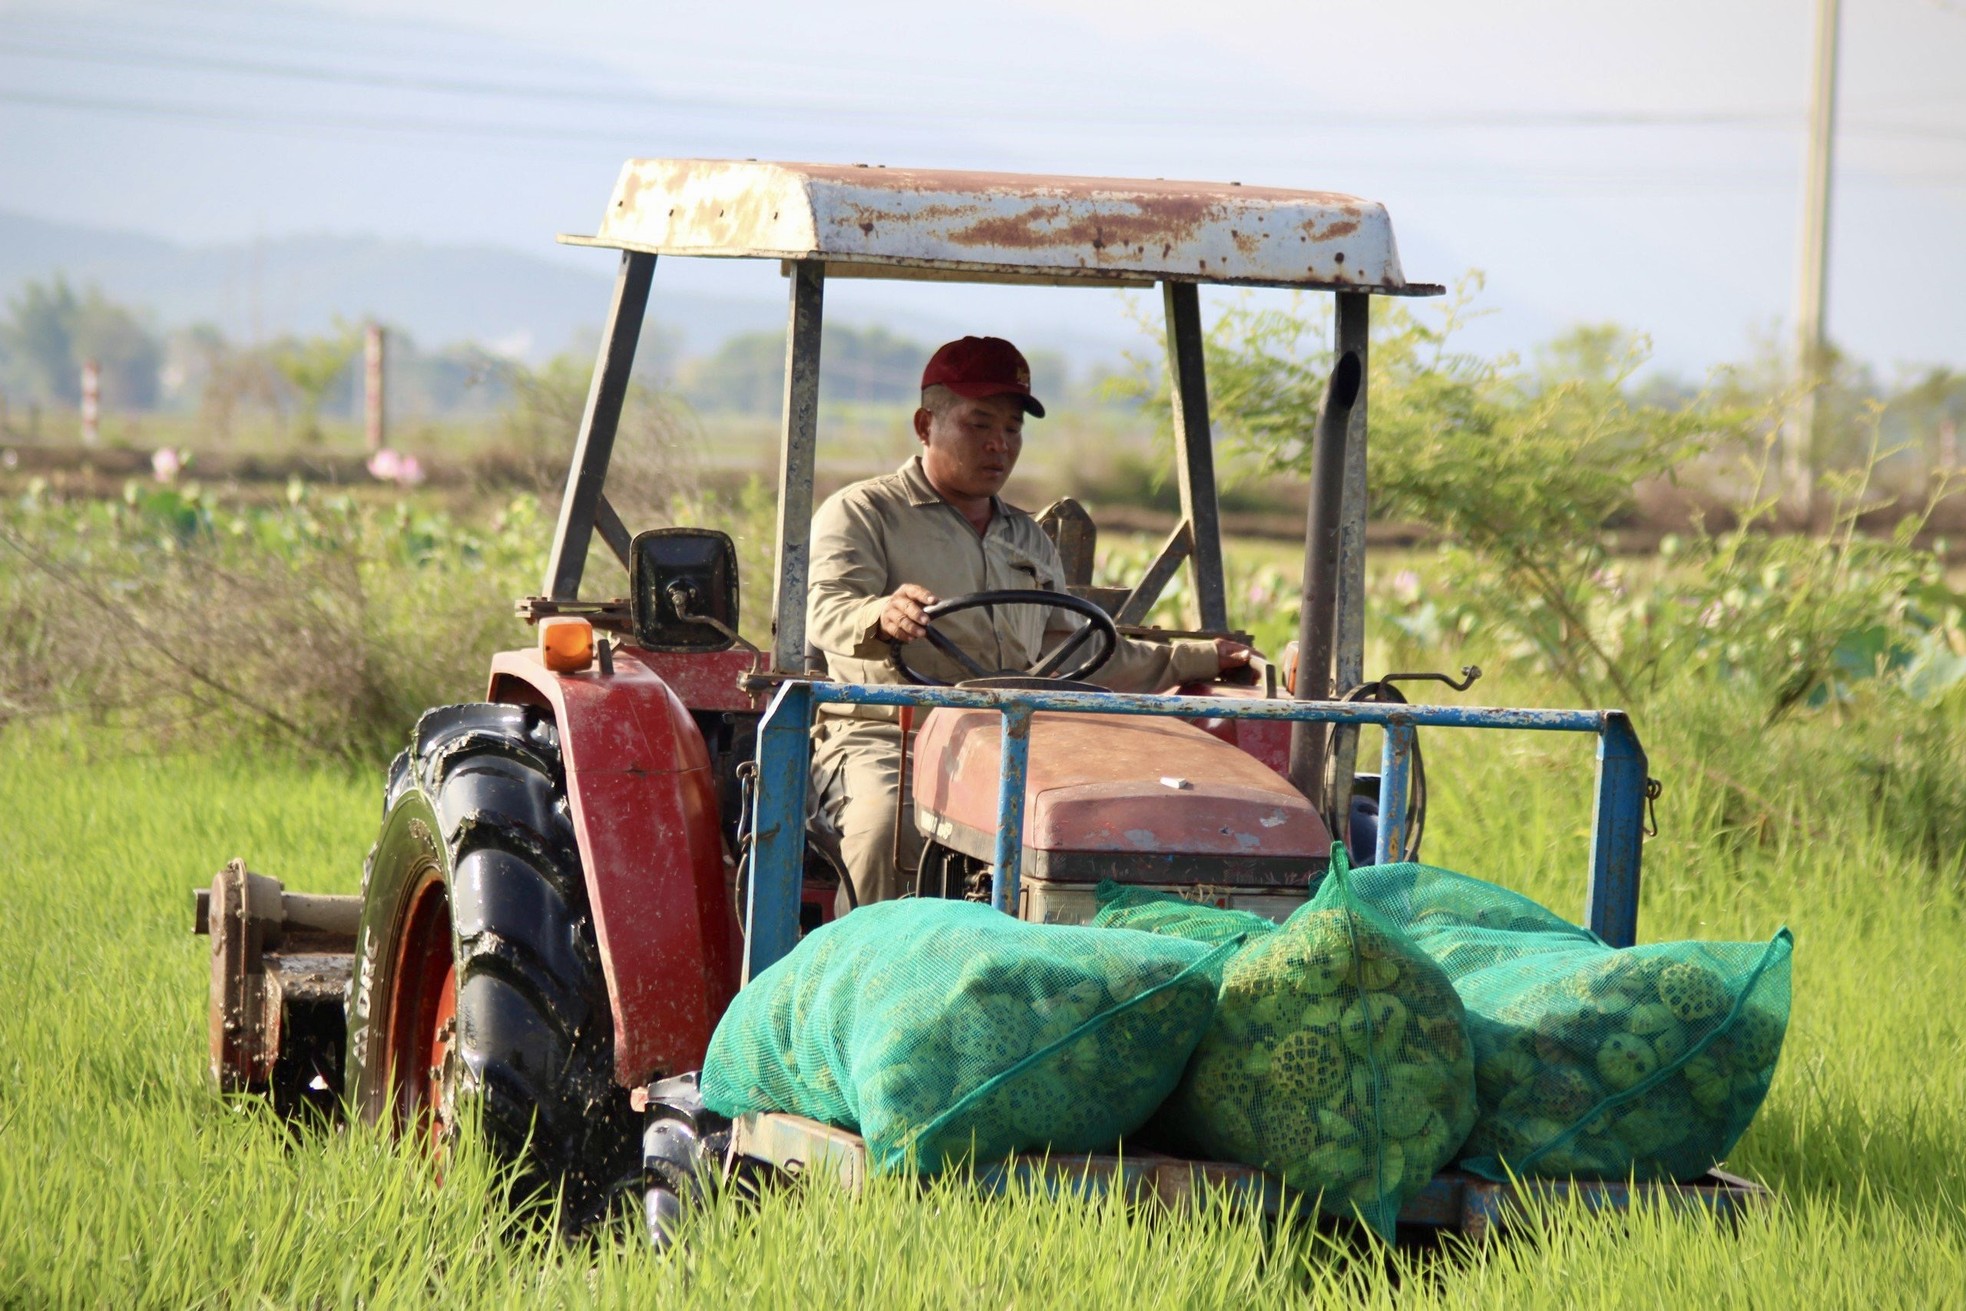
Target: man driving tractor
886,549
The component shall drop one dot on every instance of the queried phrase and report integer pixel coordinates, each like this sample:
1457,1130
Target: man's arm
1136,665
1141,666
846,582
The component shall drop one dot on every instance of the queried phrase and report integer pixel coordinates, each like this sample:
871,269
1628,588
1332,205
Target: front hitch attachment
683,1149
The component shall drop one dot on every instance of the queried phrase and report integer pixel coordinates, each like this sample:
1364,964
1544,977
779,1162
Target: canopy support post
1351,332
595,445
1195,452
799,438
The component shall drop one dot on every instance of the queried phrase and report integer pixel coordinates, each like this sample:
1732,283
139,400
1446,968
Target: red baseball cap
976,367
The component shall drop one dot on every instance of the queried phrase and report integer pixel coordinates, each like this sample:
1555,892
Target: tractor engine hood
1126,797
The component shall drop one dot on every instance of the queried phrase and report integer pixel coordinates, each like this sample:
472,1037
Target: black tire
476,834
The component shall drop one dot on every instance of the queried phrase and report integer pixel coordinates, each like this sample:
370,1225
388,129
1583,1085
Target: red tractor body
644,808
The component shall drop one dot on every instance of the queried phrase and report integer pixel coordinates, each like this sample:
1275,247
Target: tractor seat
1127,797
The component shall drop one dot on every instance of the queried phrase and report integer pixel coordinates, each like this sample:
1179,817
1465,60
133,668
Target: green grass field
125,1181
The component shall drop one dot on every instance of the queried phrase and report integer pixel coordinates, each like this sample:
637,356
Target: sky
1638,164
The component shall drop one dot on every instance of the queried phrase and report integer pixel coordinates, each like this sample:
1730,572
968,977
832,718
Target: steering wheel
1099,624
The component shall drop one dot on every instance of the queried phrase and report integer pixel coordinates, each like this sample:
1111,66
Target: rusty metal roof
1004,227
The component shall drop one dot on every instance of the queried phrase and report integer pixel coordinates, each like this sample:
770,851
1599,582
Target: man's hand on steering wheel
905,616
904,613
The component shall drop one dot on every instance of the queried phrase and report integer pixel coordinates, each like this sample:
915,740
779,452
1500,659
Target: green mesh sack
938,1029
1591,1061
1122,907
1338,1059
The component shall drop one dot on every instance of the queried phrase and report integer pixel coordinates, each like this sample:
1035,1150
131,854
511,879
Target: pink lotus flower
393,467
166,464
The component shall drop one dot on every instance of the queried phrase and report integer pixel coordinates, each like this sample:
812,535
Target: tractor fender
644,810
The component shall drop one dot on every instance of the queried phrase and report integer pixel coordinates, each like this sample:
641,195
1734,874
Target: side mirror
682,586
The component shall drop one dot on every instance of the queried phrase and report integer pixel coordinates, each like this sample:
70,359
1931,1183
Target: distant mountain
512,302
517,304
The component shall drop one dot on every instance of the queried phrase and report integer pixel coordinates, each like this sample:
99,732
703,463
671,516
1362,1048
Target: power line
696,101
1548,182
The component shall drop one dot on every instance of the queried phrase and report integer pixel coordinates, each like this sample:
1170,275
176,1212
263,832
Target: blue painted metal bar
1395,776
1203,707
1014,762
778,829
777,854
1617,833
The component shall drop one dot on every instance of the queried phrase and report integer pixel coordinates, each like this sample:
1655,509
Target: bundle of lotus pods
944,1030
1650,1061
1338,1058
1592,1061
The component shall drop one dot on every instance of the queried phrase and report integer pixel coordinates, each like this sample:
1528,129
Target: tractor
574,876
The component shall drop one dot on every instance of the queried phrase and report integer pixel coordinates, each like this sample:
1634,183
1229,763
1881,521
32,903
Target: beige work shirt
870,538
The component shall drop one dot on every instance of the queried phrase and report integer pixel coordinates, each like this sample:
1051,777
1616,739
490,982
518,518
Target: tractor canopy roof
944,225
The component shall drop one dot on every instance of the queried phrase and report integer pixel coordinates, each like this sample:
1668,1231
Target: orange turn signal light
566,643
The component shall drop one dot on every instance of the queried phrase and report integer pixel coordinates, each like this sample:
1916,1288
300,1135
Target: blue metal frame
777,856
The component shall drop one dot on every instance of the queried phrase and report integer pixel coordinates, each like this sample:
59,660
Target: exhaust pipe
1317,624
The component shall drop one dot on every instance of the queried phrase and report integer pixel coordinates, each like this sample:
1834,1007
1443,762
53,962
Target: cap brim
977,391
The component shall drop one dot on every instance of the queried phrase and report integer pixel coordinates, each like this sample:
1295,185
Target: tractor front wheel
477,979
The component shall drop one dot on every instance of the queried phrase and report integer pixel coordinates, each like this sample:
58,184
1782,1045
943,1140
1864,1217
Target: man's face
971,447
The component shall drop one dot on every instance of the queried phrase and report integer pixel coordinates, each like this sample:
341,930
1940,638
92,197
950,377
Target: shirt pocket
1025,624
1023,569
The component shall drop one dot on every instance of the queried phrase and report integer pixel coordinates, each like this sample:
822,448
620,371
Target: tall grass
125,1181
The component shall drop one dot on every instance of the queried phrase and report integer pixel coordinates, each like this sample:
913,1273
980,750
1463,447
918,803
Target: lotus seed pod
1220,1082
1324,1014
1403,1107
1374,1185
1561,1040
1711,1097
1430,1143
1669,1044
1231,1132
1649,1018
1332,1166
1375,1024
1442,1037
1035,1107
1325,970
1377,973
1286,1139
1308,1064
1363,1088
1625,1060
1562,1091
906,1094
1507,1136
1335,1127
1693,991
1648,1131
1370,941
1506,1068
1757,1040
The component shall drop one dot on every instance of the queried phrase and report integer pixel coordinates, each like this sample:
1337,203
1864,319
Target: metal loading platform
1454,1202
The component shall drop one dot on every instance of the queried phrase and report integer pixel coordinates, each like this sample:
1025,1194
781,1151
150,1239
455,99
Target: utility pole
1812,282
372,345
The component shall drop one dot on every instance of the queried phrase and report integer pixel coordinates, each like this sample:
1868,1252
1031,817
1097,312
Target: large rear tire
477,978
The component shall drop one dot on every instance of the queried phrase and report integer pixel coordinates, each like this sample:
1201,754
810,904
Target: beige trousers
856,782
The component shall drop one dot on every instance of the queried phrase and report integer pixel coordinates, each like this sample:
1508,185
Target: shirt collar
922,492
